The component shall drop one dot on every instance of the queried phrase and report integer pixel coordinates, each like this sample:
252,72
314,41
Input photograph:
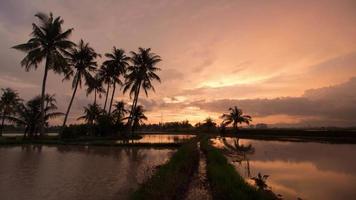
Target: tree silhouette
48,42
118,62
141,74
119,112
104,76
235,117
8,105
95,85
137,117
82,60
91,113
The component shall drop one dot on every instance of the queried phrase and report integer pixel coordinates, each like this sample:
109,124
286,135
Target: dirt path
199,186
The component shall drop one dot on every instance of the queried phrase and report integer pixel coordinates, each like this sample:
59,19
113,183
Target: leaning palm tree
141,74
82,59
118,62
235,117
49,42
96,86
28,115
8,104
137,117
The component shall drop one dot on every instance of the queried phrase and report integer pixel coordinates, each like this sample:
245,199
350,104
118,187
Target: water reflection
161,138
305,170
75,172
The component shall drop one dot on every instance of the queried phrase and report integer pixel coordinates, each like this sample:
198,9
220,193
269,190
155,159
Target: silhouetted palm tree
105,75
96,86
141,74
119,111
8,104
91,113
82,59
48,42
235,117
137,117
29,114
118,62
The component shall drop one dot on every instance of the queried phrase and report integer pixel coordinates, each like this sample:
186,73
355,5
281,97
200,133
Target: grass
225,182
171,179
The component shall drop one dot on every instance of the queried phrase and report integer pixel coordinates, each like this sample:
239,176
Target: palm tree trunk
43,98
112,97
133,107
70,105
94,96
2,122
107,94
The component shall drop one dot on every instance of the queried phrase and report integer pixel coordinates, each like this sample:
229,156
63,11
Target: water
162,138
75,172
296,169
21,134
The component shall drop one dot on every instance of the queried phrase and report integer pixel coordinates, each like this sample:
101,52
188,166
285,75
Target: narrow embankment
199,188
225,182
171,179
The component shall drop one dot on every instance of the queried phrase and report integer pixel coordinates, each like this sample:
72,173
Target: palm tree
137,117
48,42
96,86
91,113
105,75
118,62
141,74
235,117
28,115
8,104
82,59
119,111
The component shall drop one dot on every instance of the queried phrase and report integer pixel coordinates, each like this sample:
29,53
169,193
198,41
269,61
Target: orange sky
212,51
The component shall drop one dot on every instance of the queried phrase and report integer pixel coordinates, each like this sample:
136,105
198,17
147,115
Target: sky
285,63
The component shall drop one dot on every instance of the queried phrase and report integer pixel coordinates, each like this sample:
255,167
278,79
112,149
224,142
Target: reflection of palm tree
49,42
28,115
118,61
141,74
83,61
8,104
235,117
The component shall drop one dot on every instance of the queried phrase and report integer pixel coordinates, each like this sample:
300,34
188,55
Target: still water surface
297,169
75,172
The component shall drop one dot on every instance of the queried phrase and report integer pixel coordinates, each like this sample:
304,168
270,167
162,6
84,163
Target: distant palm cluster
50,44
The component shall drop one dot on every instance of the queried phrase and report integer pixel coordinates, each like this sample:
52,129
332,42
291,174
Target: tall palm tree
141,74
105,76
96,86
118,62
29,115
235,117
119,111
137,117
82,59
49,42
8,104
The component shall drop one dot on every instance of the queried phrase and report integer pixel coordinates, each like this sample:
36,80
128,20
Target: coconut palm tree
49,42
105,75
8,104
140,75
235,117
119,111
118,62
91,113
96,86
137,117
28,115
82,60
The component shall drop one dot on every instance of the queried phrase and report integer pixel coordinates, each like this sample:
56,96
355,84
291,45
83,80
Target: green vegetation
225,182
171,179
